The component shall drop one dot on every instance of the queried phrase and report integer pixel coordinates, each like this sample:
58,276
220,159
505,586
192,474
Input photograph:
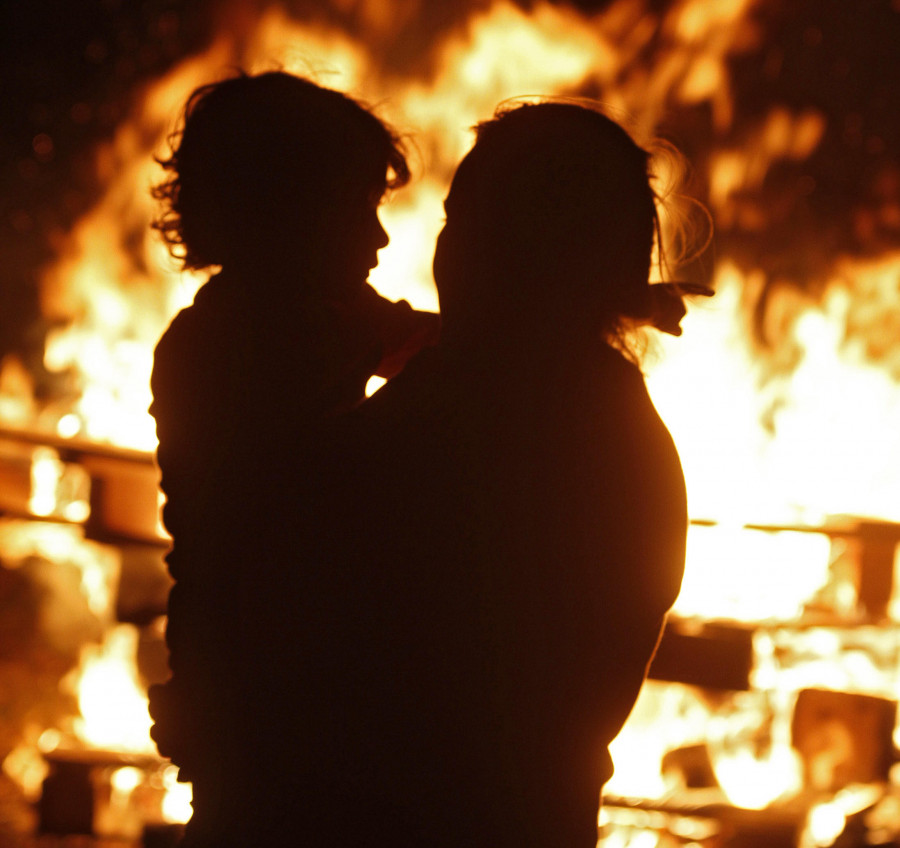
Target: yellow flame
176,805
830,448
731,573
26,768
113,704
46,472
122,305
753,782
828,445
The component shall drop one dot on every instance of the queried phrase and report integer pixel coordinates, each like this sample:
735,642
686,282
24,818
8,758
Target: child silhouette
274,184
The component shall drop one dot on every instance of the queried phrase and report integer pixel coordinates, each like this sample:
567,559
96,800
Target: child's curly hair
265,155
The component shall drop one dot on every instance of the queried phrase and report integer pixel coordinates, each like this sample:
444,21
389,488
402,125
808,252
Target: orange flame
820,439
113,703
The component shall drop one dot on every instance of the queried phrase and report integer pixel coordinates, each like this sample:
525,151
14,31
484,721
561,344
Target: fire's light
113,286
27,769
176,805
733,571
57,488
811,442
98,566
46,471
112,702
790,446
781,448
374,384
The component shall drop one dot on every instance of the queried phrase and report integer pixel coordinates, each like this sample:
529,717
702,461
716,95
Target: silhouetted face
444,255
465,246
550,211
349,242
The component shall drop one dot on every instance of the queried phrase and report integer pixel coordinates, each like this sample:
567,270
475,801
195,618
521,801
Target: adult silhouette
477,563
274,186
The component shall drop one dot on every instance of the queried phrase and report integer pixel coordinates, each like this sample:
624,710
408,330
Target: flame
828,447
114,289
58,488
98,565
798,453
759,440
732,572
176,804
113,703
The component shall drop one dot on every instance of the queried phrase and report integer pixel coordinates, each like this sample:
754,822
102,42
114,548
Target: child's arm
402,331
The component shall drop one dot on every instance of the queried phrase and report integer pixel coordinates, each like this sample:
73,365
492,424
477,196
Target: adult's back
512,548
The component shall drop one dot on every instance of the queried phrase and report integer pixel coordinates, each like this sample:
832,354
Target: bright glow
817,441
709,386
646,839
374,384
77,511
731,571
58,488
825,824
664,717
49,740
759,444
113,704
27,768
68,426
754,782
176,805
46,472
857,658
126,779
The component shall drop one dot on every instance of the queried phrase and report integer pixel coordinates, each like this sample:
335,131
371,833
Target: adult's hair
553,203
265,157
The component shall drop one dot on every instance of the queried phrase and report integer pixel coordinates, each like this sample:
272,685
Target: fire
827,446
58,488
113,704
798,452
733,571
113,289
787,436
176,804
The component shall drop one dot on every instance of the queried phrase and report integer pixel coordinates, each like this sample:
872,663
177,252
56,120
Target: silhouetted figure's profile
485,550
274,183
